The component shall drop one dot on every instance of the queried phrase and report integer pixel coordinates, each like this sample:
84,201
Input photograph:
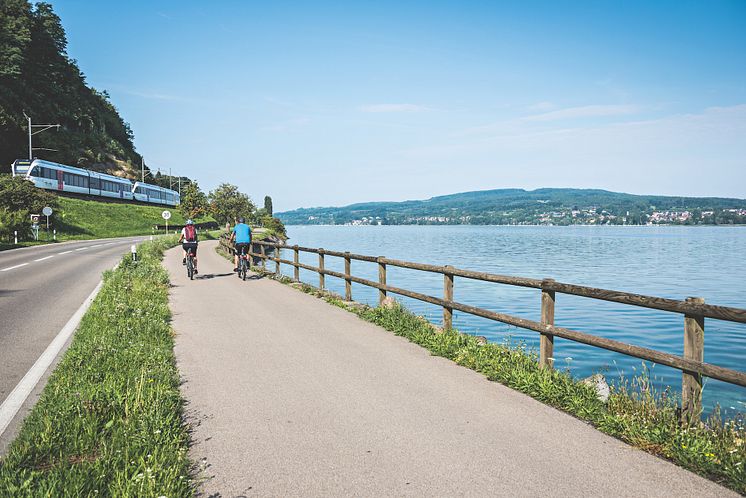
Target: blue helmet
241,220
190,222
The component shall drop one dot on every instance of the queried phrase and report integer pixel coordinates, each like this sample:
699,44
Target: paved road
290,396
40,289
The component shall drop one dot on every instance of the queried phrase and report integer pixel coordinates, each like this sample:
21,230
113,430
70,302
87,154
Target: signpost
35,225
47,211
166,215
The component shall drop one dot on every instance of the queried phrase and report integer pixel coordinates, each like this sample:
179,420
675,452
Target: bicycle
243,265
190,259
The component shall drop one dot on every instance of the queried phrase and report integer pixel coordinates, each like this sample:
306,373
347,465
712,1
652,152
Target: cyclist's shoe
183,261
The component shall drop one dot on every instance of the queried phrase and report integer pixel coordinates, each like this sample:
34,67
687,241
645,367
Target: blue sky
329,103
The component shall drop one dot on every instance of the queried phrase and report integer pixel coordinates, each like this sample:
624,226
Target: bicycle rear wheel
190,268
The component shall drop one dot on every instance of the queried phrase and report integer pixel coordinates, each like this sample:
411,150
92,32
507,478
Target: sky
331,103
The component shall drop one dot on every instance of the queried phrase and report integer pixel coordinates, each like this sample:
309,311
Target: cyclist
188,241
241,234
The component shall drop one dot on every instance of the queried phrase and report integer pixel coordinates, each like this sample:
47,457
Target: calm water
675,262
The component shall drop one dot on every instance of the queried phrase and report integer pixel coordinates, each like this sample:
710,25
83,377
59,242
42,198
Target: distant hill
551,206
37,77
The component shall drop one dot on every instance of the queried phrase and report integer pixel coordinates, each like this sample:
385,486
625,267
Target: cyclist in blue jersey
241,234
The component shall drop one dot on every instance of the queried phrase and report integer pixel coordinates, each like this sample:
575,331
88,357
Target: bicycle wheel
243,276
190,268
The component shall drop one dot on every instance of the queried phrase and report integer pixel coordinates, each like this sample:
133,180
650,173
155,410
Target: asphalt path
41,287
290,396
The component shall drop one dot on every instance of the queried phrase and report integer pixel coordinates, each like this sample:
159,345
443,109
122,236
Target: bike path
290,396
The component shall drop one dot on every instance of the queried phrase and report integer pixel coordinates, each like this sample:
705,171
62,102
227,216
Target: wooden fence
694,310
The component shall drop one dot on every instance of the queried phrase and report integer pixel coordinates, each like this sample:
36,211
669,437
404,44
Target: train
63,178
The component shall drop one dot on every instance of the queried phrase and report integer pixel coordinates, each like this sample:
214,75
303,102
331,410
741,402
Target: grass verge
634,412
109,421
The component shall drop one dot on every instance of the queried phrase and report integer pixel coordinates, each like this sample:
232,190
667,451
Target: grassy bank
634,413
77,219
109,420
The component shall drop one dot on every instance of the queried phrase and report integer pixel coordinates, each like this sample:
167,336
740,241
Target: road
290,396
40,289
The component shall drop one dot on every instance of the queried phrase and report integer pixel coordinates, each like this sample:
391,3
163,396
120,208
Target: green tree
228,203
275,225
268,205
19,199
193,201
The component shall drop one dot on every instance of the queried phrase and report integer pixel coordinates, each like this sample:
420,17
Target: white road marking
42,259
81,248
65,252
97,245
14,267
18,395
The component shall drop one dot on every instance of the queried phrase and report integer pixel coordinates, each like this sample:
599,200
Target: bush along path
634,412
109,421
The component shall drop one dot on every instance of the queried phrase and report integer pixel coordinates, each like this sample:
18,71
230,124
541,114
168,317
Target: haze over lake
667,261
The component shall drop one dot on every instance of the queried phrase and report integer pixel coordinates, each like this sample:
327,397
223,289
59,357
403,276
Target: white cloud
393,108
542,107
588,111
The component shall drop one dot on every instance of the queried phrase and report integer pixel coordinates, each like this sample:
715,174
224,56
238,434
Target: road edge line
18,396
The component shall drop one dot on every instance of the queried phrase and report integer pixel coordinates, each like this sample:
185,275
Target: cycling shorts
242,248
190,246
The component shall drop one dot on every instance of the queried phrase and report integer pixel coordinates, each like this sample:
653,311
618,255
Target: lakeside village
575,216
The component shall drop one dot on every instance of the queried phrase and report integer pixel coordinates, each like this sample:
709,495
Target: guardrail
694,310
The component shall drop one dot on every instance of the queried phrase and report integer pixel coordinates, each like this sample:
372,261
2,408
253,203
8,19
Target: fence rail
694,310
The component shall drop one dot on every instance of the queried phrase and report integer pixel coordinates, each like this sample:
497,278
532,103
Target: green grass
109,421
79,219
634,413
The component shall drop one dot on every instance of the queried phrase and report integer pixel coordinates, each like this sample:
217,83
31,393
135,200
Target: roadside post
166,215
15,237
133,248
54,234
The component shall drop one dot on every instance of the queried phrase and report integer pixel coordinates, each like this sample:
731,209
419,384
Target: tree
268,205
19,199
193,201
227,203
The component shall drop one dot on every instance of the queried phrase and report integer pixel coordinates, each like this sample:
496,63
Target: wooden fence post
381,280
321,268
694,349
448,296
296,273
348,282
546,344
263,256
278,256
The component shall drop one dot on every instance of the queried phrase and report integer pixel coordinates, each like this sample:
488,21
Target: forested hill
38,77
549,206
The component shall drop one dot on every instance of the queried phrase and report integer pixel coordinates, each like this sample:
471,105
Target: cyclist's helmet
241,220
190,222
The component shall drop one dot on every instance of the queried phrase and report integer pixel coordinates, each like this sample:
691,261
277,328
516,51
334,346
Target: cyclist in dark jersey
241,234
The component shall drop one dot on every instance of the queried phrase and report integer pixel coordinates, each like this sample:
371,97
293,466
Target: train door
60,180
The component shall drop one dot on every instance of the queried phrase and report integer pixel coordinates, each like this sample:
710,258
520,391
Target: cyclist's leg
194,255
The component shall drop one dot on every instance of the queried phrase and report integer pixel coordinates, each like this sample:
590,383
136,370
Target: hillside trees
268,205
38,77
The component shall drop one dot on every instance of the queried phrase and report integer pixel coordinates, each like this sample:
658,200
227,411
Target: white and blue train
62,178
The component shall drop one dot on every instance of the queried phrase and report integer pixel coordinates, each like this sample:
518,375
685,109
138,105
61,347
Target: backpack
190,233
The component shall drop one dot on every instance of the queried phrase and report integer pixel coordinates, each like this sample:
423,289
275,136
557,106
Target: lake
673,262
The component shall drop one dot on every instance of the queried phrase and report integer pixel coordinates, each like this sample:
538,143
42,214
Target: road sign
47,211
34,219
166,215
